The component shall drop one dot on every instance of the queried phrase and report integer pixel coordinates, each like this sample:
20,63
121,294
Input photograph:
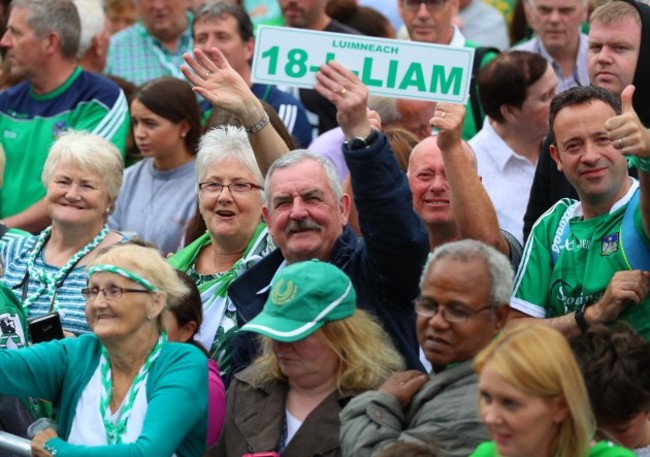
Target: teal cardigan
177,394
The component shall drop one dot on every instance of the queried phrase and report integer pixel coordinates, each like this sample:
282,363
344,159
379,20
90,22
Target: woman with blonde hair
319,350
533,399
122,389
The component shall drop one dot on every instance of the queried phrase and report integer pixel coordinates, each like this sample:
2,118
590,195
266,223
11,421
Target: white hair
223,143
93,23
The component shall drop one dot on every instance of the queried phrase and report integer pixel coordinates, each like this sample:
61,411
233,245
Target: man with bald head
447,191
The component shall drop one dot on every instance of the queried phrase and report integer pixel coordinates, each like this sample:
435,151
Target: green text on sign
393,68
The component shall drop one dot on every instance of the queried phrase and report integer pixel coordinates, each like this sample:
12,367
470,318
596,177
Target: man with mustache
307,215
558,38
587,261
463,304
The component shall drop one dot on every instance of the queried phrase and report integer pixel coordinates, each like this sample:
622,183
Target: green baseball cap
303,297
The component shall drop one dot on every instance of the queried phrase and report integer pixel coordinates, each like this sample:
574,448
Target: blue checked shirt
138,57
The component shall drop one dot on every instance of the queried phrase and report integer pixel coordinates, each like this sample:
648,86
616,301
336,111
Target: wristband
580,319
259,125
642,164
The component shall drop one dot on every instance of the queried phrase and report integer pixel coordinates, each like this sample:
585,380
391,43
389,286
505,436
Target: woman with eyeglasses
230,196
82,176
121,390
157,198
533,399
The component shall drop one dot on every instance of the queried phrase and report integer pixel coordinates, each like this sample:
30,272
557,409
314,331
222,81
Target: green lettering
438,80
413,77
366,72
392,74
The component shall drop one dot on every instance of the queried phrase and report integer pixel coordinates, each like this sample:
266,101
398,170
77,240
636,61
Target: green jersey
568,262
600,449
29,124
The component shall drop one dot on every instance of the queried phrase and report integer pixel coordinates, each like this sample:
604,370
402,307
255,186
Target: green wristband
642,164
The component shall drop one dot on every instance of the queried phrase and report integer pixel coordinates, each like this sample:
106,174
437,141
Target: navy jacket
384,267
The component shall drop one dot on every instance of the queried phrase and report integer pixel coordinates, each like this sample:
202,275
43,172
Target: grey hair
386,107
59,16
501,274
298,156
93,23
223,143
89,152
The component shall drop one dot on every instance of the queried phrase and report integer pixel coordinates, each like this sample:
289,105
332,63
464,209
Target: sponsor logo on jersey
572,299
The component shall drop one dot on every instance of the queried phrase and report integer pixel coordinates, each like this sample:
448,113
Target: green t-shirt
29,124
559,275
600,449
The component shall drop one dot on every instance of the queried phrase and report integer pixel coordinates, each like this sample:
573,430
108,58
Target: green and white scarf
115,430
214,291
48,282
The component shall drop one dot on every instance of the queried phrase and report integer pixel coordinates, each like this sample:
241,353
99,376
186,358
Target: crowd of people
245,269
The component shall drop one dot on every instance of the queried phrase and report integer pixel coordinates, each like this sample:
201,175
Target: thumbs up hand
626,131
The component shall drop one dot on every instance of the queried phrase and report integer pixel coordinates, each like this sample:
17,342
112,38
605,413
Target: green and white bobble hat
303,297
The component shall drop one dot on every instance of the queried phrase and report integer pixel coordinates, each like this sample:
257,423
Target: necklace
48,282
115,430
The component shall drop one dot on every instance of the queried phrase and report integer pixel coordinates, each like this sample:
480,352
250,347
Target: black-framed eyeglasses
110,292
452,314
431,5
240,187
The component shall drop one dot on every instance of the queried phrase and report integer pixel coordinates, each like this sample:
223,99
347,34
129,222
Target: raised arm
473,210
216,81
632,138
395,238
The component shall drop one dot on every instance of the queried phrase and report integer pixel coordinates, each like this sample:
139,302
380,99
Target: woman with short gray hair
230,196
82,176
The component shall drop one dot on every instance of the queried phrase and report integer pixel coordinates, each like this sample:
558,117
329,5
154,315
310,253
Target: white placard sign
392,68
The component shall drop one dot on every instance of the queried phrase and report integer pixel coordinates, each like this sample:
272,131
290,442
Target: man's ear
249,48
508,112
501,316
555,154
344,205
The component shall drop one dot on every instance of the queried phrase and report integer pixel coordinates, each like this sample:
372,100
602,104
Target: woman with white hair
82,176
229,191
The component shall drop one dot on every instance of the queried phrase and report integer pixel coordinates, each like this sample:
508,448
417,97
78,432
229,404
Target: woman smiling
113,389
82,176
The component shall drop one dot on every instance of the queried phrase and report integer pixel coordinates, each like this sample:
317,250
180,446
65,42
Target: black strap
479,54
3,229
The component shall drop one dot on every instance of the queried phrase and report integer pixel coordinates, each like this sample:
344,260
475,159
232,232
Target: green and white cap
303,297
